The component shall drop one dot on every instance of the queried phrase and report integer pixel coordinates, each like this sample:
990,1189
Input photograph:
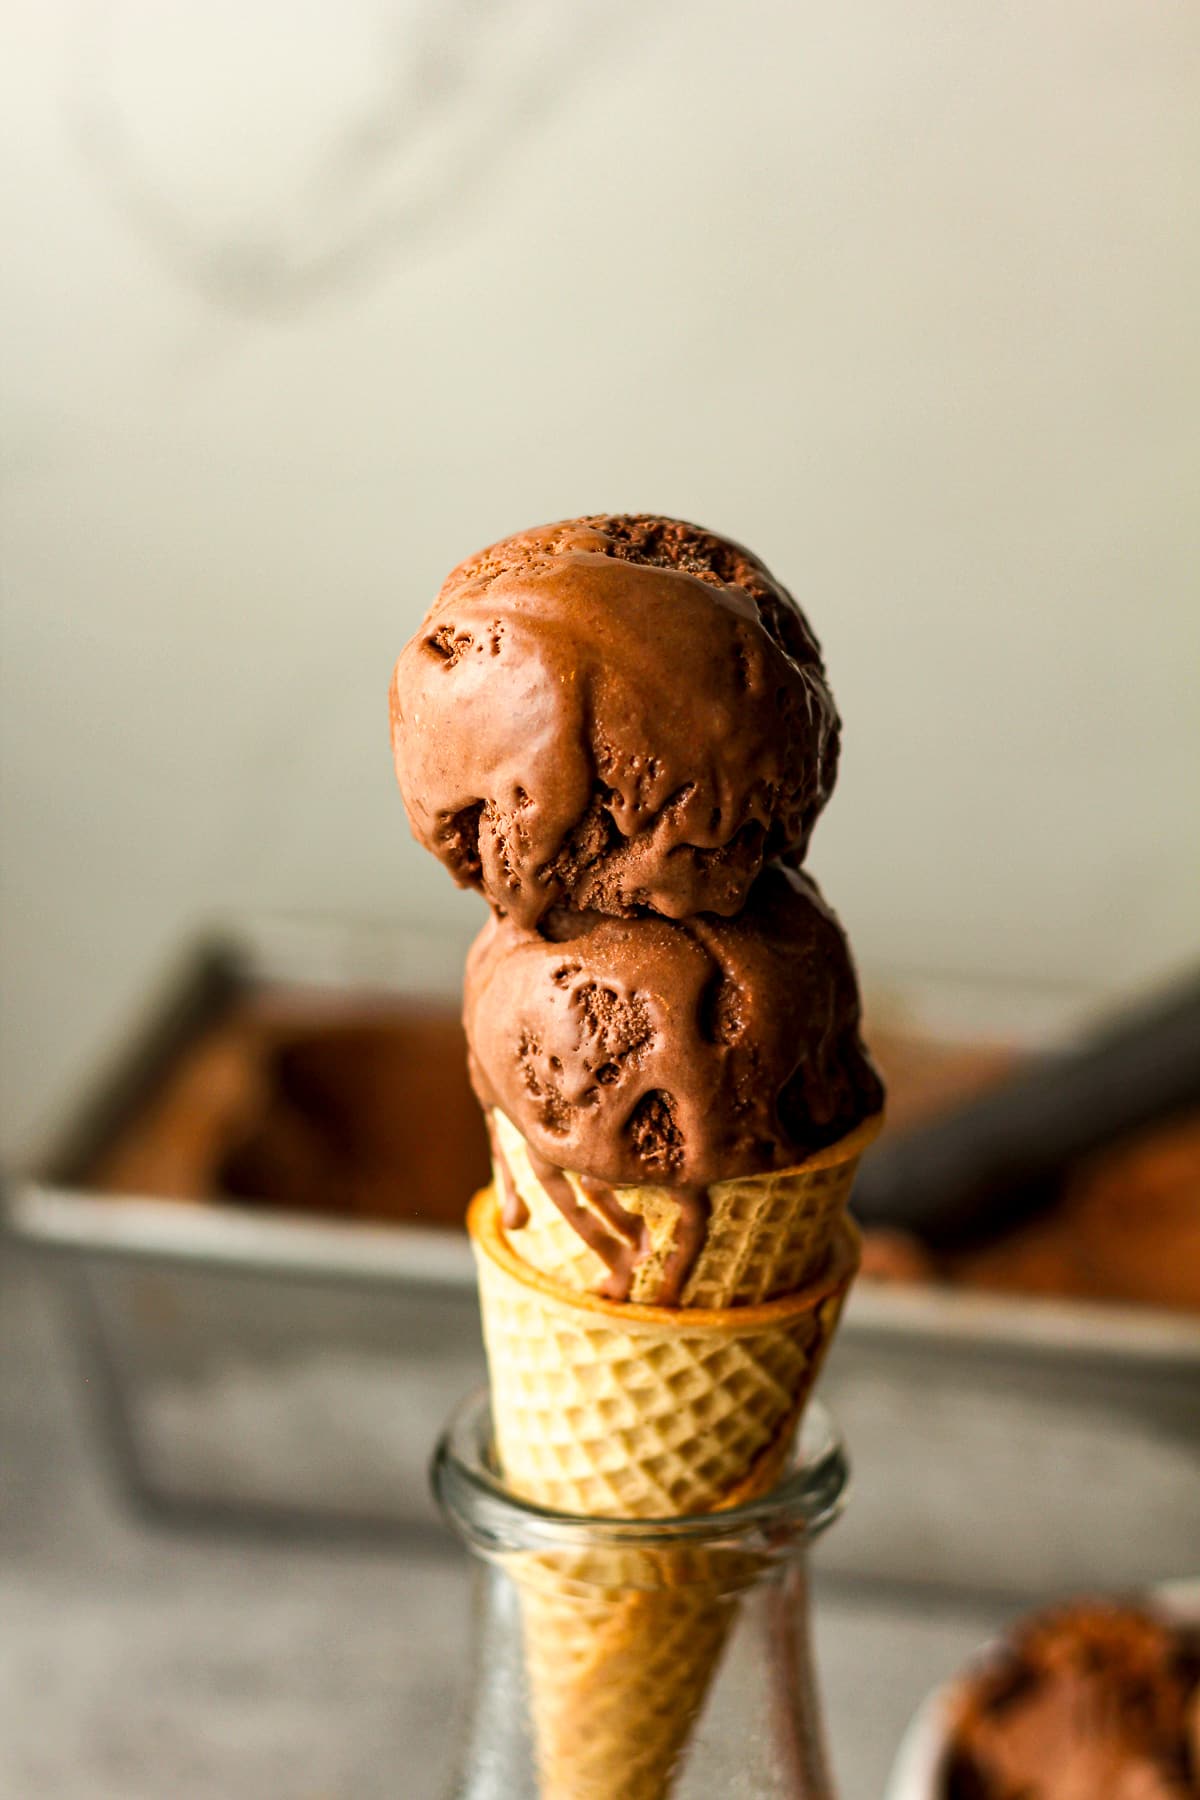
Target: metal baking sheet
263,1368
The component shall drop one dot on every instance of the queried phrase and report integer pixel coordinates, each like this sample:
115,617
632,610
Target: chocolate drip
618,1238
513,1211
689,1241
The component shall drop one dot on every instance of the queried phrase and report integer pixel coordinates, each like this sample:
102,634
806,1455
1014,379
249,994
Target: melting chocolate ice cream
671,1052
618,714
1094,1701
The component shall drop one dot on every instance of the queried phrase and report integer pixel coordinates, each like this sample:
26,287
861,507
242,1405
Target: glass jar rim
808,1496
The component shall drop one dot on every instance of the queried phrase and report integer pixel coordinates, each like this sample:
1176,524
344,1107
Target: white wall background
302,301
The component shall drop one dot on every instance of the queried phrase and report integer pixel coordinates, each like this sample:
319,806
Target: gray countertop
141,1662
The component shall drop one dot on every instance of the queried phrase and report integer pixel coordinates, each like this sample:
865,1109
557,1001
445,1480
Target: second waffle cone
767,1235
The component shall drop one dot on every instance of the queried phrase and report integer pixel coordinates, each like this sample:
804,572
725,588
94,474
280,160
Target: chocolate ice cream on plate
1093,1700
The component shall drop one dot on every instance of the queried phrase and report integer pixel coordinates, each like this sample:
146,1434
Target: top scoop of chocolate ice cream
1091,1700
617,714
673,1053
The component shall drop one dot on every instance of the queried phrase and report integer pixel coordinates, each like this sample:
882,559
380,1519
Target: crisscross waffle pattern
546,1241
611,1422
604,1409
767,1235
617,1681
636,1412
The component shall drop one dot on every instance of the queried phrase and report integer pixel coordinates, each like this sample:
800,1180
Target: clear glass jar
661,1659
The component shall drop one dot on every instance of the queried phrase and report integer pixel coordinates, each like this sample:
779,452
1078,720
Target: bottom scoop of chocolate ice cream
1094,1701
679,1053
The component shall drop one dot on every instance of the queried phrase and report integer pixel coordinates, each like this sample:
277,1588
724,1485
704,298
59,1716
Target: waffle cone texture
768,1235
609,1409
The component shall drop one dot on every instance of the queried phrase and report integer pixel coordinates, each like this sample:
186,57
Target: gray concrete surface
142,1663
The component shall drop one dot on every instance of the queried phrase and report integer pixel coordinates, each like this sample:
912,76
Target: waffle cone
607,1409
767,1235
617,1677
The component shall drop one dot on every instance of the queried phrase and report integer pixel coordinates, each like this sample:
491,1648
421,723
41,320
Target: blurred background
303,303
300,304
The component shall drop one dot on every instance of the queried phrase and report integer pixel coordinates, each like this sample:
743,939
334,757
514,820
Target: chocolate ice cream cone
619,730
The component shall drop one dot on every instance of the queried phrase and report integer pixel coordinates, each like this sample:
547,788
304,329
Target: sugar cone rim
842,1150
487,1233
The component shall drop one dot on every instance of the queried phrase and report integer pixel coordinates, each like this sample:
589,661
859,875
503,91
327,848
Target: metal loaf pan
293,1372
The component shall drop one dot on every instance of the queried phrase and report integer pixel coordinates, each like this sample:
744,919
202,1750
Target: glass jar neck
641,1659
496,1523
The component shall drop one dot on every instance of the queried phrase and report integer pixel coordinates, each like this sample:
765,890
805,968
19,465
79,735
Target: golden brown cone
603,1408
767,1234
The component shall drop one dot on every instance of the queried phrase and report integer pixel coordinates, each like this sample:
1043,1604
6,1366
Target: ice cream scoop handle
983,1167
